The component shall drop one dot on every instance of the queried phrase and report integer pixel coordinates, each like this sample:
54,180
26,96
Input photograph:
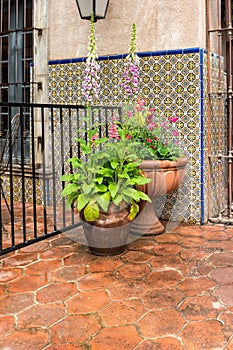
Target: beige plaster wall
161,25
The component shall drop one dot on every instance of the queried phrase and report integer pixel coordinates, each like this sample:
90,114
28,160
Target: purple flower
131,67
113,130
90,82
175,133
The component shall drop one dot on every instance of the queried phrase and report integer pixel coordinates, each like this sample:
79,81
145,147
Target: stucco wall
161,25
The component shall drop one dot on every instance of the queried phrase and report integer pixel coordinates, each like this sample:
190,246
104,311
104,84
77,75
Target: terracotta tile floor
168,292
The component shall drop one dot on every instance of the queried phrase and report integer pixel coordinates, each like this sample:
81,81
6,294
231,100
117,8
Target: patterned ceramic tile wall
170,81
18,189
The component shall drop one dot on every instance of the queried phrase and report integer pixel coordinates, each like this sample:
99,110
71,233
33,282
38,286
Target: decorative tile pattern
175,82
168,80
18,190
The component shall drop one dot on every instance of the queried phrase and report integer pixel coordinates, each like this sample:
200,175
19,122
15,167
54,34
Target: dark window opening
16,56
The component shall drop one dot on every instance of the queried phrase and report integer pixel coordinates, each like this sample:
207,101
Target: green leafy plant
110,174
157,137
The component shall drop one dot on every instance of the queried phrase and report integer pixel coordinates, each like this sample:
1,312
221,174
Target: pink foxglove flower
113,130
130,114
91,79
93,139
131,72
175,133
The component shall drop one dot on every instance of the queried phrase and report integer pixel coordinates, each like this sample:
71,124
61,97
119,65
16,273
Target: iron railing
220,111
31,183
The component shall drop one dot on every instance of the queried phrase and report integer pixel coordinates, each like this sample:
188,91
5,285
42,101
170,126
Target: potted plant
157,145
108,187
157,140
106,183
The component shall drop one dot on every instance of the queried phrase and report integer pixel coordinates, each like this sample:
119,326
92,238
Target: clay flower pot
109,234
165,177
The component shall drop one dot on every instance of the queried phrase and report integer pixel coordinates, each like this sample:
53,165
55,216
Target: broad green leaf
106,172
75,162
92,132
86,188
132,193
121,133
131,166
144,196
71,199
123,176
140,180
113,188
86,149
101,141
70,188
99,180
91,212
117,200
133,211
80,140
101,187
67,178
114,164
104,200
82,202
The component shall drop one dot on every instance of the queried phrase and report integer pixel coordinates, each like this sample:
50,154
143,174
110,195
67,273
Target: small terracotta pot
109,234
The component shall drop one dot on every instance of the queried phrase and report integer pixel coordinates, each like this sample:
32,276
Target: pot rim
180,163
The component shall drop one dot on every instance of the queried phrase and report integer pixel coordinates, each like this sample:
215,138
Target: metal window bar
222,34
16,56
7,150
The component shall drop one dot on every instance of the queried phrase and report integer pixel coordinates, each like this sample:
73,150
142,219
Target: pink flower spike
151,126
149,140
175,133
94,137
113,132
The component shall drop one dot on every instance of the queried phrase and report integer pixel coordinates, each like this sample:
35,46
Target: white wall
161,25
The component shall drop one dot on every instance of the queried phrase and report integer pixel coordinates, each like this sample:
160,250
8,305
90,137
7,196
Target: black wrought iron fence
31,205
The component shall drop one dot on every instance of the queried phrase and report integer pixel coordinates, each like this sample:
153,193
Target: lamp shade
87,7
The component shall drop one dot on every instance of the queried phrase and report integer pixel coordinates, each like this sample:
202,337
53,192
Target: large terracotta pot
165,177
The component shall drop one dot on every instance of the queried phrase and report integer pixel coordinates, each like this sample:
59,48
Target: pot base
147,224
107,251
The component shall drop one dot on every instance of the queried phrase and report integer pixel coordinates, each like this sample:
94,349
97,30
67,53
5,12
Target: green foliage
109,174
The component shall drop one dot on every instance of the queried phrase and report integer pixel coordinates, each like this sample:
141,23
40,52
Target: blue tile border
122,56
202,137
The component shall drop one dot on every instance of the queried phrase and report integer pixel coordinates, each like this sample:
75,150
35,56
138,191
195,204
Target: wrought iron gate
31,205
